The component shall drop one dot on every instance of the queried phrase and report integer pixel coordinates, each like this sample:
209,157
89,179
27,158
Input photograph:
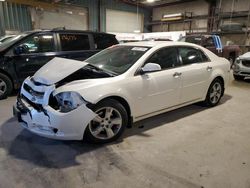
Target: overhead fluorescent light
81,13
150,1
47,37
137,31
172,17
2,0
69,12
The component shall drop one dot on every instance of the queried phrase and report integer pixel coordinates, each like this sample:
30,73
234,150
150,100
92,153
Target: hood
245,56
56,70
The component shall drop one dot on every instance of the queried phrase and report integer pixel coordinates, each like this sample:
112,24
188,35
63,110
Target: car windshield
194,40
11,41
5,39
117,59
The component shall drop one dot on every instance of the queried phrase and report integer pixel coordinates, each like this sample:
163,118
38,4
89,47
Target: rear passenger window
103,41
191,55
74,42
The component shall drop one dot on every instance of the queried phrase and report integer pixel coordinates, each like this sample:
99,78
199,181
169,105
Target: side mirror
20,50
150,67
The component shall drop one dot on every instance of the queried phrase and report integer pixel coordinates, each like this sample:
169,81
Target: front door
157,91
39,49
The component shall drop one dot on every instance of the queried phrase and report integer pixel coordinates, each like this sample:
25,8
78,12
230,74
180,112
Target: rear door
195,71
78,46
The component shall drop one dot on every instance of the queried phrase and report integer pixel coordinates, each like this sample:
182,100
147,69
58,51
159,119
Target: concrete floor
192,147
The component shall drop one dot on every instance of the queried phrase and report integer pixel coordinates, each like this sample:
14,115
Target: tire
214,93
110,123
6,86
238,77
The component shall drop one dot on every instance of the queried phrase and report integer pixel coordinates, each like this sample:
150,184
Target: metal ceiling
156,3
142,3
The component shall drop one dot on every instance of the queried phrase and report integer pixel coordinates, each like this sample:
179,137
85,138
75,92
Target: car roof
197,35
158,44
66,31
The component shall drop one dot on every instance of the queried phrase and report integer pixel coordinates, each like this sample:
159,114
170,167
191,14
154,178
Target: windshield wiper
110,73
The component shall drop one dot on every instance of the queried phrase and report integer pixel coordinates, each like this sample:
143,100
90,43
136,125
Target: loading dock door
123,22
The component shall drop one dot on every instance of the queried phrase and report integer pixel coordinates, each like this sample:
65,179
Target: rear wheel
109,123
238,77
214,93
5,86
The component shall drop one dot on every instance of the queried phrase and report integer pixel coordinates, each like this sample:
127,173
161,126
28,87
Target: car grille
38,107
246,63
33,92
245,73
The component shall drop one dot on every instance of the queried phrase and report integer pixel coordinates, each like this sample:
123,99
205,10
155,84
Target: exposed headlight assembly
68,101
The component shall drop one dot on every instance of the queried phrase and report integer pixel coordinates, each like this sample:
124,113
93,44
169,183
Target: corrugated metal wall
14,17
92,5
17,17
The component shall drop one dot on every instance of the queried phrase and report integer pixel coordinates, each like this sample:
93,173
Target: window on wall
74,42
166,58
39,43
192,55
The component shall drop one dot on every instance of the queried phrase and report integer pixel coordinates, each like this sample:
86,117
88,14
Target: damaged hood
57,69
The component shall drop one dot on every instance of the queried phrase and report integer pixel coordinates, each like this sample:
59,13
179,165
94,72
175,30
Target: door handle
209,68
177,74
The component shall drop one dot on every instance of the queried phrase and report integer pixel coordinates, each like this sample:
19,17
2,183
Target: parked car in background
241,67
24,54
213,43
6,38
124,83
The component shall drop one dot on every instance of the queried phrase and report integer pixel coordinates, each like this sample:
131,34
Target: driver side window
38,44
166,58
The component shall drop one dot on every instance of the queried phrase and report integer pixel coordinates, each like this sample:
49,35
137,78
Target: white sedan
96,99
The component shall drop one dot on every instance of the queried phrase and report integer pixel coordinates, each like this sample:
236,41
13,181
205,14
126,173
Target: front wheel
109,123
214,93
5,86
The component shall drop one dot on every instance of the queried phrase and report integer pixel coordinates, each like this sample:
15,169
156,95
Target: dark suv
23,55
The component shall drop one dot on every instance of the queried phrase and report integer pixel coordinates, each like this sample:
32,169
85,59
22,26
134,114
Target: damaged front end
61,116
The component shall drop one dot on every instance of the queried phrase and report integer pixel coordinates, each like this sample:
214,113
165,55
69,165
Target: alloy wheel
215,93
3,87
106,124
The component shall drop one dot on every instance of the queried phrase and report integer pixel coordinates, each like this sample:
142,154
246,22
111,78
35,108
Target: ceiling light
137,31
150,1
69,12
81,13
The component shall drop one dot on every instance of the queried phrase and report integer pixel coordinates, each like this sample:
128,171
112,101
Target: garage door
73,18
124,22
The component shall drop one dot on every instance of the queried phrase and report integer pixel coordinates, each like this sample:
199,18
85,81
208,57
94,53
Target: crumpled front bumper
51,123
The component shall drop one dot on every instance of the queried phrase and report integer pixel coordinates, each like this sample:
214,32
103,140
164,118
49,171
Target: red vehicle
213,43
